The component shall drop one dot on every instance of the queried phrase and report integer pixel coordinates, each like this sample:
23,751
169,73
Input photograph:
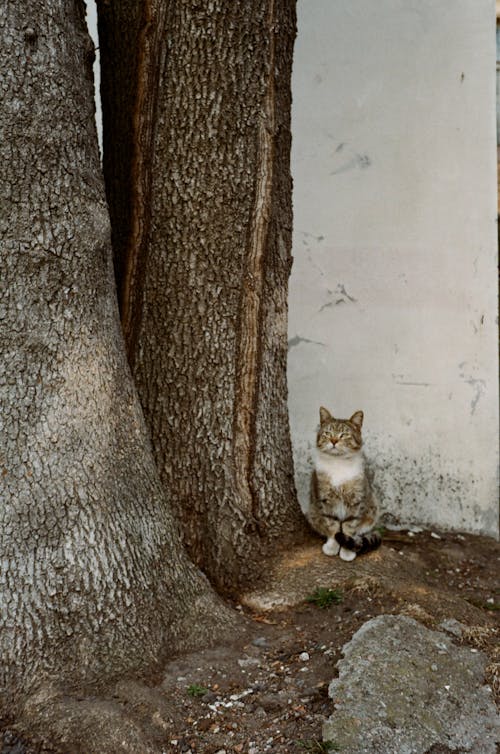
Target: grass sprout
324,597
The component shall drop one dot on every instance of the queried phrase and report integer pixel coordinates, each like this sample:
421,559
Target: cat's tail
361,543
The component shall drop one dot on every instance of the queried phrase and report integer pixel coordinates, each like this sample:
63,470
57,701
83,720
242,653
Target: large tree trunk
203,259
93,580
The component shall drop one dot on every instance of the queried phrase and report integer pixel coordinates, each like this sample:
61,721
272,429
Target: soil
268,692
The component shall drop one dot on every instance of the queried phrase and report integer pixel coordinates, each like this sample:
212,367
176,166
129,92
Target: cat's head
339,437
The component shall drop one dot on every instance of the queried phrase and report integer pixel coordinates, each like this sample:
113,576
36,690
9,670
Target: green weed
323,597
195,690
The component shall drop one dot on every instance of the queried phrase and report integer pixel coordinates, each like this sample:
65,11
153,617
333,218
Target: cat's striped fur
342,506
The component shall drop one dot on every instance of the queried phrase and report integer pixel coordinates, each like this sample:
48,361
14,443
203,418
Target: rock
388,700
452,626
209,697
204,724
260,641
271,702
304,656
247,662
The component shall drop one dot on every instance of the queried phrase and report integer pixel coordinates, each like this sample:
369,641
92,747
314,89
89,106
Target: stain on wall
393,299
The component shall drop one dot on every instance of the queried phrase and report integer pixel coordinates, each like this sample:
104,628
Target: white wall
92,26
393,291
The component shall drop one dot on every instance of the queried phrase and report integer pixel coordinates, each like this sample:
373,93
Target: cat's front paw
331,547
347,555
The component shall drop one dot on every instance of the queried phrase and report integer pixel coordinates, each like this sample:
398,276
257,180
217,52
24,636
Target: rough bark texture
205,318
93,579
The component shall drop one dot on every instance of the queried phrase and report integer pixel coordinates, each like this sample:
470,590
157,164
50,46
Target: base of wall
418,491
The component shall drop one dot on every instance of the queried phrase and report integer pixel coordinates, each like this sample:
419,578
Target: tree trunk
205,260
93,580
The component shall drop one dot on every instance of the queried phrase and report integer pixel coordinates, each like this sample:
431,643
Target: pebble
204,724
260,641
209,697
246,662
270,702
304,656
452,626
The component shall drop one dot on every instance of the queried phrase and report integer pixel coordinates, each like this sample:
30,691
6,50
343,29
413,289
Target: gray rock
388,699
260,641
209,697
452,626
247,662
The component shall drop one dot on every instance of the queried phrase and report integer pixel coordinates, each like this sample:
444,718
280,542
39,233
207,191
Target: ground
268,692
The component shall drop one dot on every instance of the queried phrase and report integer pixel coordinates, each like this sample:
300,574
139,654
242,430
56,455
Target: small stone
247,662
452,626
304,656
209,697
260,641
434,667
434,535
271,702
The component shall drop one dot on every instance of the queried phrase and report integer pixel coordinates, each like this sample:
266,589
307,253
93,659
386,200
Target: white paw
347,555
331,547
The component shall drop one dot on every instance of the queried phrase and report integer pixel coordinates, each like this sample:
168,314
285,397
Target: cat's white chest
337,469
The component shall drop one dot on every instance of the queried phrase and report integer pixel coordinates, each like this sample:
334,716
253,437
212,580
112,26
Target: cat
342,506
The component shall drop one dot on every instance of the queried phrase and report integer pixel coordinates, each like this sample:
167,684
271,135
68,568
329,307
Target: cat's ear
324,415
357,419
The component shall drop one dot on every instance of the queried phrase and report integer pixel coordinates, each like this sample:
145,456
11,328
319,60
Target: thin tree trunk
93,579
205,261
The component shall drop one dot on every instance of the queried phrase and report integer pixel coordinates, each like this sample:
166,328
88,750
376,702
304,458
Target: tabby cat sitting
342,506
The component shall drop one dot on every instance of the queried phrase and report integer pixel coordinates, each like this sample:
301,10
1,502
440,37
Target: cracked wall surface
393,296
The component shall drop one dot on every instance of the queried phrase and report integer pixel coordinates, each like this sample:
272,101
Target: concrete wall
393,297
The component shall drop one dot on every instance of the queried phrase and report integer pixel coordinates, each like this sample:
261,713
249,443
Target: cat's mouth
333,450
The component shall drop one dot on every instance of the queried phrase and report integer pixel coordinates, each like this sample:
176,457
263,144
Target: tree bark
205,260
93,579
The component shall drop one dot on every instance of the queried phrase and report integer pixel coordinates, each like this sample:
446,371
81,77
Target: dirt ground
268,692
